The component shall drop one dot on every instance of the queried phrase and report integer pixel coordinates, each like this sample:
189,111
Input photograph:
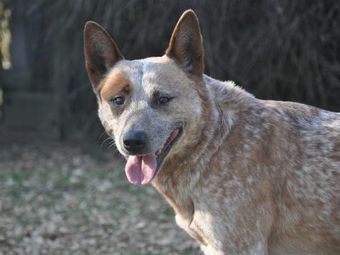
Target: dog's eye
163,100
118,100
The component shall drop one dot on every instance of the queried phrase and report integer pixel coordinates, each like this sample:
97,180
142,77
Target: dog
243,175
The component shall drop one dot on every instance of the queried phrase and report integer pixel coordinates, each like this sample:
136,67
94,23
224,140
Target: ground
68,199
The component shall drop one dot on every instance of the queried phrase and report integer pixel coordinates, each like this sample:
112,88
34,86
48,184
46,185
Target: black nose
134,142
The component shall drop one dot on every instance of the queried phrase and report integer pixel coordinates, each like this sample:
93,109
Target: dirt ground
64,199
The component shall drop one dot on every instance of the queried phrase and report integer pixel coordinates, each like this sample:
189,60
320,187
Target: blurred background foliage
284,50
64,198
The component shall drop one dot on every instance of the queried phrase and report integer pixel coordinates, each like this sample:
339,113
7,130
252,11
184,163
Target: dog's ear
186,44
101,52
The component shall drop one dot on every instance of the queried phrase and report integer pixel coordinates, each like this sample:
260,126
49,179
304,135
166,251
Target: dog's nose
134,142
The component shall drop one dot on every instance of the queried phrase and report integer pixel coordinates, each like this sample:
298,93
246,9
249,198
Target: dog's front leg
240,225
244,243
259,249
185,225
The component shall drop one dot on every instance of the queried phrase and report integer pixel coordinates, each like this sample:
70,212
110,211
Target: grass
58,199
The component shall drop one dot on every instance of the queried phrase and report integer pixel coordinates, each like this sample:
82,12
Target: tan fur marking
114,84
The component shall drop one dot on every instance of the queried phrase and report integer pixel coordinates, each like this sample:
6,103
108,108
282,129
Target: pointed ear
186,44
101,52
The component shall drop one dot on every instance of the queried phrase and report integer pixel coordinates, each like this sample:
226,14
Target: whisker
106,140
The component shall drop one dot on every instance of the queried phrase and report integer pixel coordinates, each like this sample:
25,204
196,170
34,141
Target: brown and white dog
244,176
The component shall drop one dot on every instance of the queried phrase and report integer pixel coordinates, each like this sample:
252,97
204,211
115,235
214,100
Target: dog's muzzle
135,142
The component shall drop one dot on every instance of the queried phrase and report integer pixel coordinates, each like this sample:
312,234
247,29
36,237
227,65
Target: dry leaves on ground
60,199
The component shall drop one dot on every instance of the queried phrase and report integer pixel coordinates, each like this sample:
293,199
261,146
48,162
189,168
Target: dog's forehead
149,71
143,77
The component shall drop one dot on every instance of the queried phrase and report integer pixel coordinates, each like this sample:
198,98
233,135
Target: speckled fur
247,176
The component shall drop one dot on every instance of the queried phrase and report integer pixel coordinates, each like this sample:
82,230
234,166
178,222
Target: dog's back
294,151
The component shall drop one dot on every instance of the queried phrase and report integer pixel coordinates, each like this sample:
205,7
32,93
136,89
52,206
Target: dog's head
151,107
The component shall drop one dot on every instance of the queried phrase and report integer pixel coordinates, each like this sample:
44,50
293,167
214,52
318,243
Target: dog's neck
219,107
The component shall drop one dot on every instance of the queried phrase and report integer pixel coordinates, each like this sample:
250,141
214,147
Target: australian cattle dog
243,175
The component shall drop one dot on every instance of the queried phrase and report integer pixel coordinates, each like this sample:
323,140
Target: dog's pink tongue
141,169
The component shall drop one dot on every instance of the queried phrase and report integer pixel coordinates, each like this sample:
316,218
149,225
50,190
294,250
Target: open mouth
162,153
142,169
